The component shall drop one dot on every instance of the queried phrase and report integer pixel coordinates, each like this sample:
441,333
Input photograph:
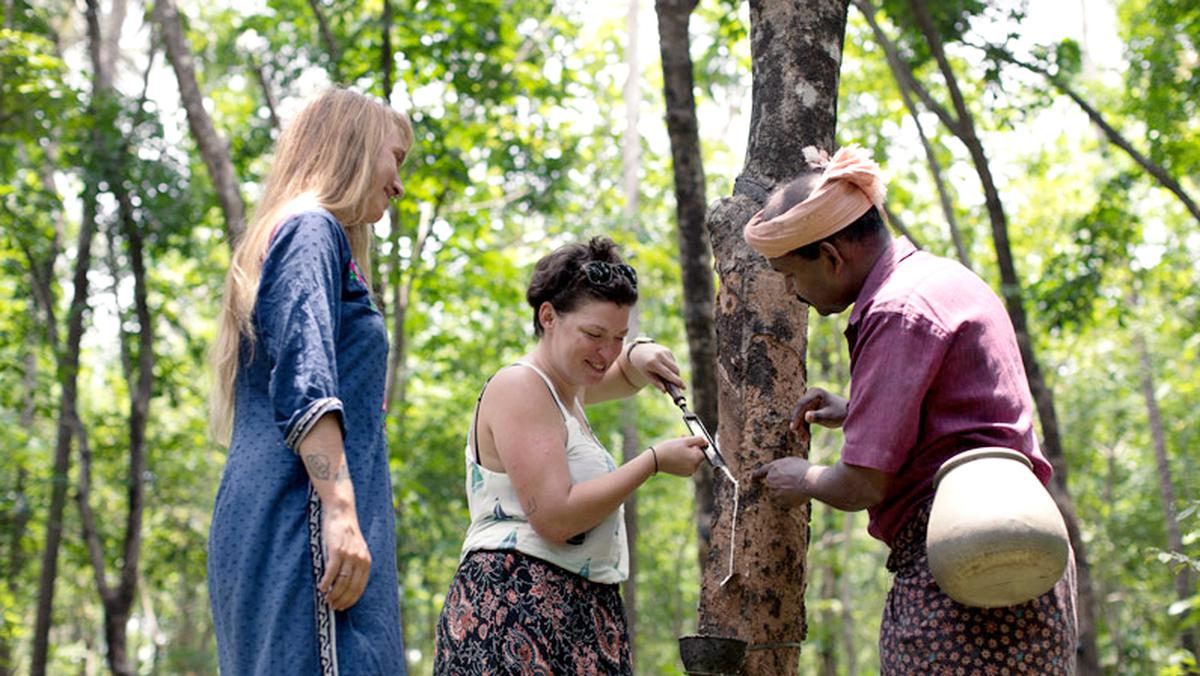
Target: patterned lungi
926,632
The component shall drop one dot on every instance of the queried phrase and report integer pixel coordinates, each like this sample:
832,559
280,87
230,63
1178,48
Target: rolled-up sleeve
894,359
298,317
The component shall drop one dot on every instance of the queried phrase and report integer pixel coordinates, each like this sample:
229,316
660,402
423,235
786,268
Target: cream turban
851,183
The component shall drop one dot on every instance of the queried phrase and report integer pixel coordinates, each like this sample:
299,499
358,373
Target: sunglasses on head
602,274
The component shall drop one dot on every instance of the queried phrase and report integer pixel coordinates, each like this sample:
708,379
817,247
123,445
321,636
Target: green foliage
1162,39
516,106
951,20
1102,242
32,87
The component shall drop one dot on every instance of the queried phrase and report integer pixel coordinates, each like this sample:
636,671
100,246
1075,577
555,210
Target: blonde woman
301,561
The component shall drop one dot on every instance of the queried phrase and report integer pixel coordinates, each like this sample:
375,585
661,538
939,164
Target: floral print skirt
926,632
510,613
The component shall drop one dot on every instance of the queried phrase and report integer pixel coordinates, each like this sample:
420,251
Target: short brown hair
559,278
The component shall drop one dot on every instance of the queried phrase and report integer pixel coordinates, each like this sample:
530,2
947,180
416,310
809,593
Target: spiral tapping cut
733,525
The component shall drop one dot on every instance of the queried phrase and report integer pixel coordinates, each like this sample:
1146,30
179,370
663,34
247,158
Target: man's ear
832,255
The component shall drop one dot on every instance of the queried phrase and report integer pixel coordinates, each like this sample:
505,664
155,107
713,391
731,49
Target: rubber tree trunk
213,148
118,598
695,255
935,167
1184,586
67,357
631,443
15,520
328,41
964,128
796,50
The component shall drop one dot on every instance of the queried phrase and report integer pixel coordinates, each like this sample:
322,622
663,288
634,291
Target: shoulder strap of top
474,433
561,409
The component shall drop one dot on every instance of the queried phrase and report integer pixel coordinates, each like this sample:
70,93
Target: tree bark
1088,661
796,53
42,316
260,75
406,279
386,56
899,226
329,42
829,587
631,144
68,370
1184,586
695,256
16,519
118,600
111,48
213,148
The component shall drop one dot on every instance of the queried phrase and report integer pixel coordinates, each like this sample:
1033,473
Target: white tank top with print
498,520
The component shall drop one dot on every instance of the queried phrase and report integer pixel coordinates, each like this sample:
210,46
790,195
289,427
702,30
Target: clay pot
995,536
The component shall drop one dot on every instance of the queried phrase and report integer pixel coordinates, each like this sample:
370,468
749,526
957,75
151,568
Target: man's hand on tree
820,407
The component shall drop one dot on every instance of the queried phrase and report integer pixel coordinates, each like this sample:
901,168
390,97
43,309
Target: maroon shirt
934,370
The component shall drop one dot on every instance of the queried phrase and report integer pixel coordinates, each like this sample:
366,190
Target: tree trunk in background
118,600
1184,588
895,222
15,520
695,257
328,41
67,357
631,446
395,390
829,591
213,147
260,76
631,443
386,56
935,167
849,642
1088,659
111,48
796,53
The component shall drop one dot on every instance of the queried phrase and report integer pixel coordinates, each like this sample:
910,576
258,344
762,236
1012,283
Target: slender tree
631,443
1184,584
796,51
67,356
327,41
935,166
695,255
213,148
118,599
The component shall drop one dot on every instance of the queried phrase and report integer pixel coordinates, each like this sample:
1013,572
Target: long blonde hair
325,158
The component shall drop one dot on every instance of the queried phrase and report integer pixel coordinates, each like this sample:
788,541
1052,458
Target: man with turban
934,371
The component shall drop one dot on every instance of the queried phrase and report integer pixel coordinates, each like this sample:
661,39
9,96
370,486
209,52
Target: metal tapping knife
696,426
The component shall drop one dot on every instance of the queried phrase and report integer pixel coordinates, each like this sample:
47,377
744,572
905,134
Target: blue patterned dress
321,348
